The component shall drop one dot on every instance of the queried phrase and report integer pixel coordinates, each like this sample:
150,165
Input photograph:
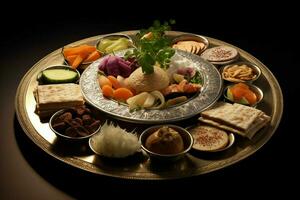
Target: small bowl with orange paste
243,93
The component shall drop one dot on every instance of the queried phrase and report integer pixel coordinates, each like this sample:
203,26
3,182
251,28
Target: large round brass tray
140,167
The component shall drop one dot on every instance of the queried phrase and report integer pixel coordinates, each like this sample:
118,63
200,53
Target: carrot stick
92,57
78,60
71,59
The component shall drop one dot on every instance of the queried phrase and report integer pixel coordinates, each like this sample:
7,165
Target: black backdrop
266,31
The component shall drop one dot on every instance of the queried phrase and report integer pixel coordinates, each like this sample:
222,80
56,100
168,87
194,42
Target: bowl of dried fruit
74,123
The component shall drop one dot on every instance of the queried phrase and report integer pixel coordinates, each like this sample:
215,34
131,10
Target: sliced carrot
242,85
78,60
71,59
92,57
241,90
104,81
122,94
107,91
82,49
237,92
251,97
114,81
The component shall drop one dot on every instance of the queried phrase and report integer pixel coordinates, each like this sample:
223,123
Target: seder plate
210,92
139,166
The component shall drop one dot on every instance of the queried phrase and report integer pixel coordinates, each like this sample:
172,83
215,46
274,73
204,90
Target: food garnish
113,141
152,47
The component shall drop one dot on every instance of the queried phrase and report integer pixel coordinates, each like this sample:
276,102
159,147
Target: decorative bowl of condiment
191,43
74,123
114,42
240,72
243,93
166,142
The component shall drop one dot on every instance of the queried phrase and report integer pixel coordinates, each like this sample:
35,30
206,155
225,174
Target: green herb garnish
196,79
152,47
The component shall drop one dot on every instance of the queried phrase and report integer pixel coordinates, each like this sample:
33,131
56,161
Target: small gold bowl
64,136
83,65
258,92
187,138
255,68
231,140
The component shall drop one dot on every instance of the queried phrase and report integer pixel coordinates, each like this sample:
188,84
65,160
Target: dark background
30,33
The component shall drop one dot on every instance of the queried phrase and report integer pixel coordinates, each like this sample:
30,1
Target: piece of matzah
57,96
235,115
257,125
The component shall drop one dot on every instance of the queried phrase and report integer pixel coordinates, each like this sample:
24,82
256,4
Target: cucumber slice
59,76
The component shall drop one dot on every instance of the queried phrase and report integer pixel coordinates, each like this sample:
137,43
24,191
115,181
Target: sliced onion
158,95
137,100
146,100
149,101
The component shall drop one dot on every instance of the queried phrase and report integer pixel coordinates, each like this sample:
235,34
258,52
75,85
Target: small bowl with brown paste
166,142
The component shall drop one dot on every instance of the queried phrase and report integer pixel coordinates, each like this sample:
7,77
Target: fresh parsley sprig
153,47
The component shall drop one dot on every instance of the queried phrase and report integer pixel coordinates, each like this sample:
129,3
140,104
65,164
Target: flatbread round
208,138
220,54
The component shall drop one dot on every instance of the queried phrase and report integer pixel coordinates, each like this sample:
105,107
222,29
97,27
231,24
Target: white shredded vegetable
113,141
